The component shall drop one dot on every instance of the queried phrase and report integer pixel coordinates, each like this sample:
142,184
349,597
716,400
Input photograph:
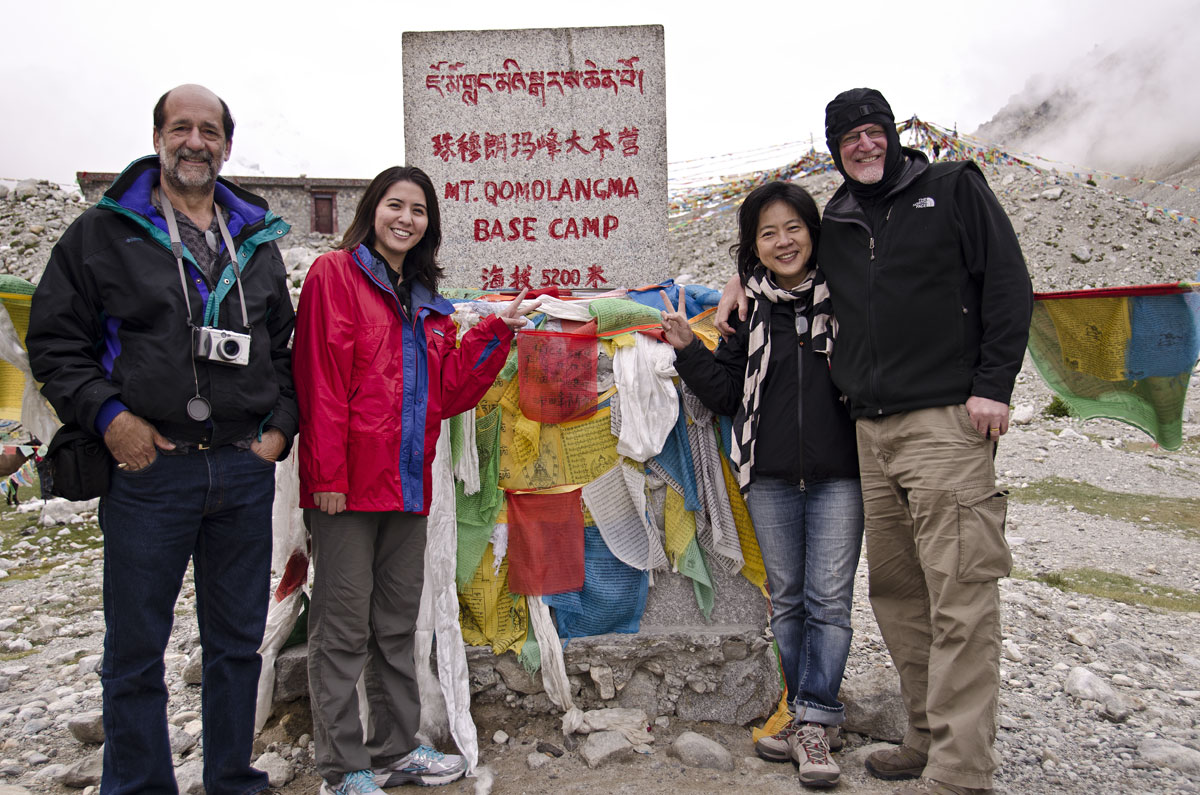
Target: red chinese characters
471,146
494,277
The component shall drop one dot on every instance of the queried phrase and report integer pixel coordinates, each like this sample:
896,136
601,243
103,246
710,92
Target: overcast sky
78,79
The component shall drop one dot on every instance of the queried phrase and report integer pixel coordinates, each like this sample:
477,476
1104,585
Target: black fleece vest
908,313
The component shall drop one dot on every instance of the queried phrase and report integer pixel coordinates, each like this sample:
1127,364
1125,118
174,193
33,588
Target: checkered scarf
763,292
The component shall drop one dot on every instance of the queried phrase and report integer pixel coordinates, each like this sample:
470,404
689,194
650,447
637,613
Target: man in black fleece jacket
933,301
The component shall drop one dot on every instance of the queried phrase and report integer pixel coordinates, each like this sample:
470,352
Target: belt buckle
202,446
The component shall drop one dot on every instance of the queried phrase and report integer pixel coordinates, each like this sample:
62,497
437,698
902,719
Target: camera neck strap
177,250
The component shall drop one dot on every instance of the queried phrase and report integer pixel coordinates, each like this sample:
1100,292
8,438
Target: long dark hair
748,214
421,261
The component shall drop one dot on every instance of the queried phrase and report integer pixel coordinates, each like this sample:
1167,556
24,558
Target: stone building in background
309,204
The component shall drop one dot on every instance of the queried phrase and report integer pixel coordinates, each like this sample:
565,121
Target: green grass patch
1121,588
9,656
1181,514
1057,408
29,571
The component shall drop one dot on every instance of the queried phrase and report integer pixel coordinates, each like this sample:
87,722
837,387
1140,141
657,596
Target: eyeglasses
875,133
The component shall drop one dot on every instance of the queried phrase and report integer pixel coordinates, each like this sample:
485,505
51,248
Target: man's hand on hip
132,441
270,445
990,417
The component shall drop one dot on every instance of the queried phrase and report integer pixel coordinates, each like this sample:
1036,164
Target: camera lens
229,349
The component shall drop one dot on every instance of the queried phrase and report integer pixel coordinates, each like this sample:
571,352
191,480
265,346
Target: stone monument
549,151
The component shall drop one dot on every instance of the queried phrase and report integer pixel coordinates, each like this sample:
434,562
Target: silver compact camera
221,346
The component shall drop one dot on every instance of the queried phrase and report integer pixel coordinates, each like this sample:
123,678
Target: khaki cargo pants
935,549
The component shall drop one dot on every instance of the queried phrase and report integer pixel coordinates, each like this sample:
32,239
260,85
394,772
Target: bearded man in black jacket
161,326
933,300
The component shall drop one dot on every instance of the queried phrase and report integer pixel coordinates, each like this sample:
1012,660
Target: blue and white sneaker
423,766
360,782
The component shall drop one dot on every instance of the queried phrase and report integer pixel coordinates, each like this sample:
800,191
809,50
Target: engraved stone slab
548,149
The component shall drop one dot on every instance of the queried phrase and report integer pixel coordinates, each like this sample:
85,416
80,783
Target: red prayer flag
558,375
545,542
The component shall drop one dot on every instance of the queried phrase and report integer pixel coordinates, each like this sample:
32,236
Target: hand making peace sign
675,324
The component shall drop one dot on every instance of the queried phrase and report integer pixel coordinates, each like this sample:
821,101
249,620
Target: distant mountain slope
1131,111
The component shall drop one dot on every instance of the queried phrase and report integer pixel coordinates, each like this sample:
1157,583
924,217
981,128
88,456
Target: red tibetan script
473,146
453,78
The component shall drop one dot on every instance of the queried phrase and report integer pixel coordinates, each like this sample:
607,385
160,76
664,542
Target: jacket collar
422,296
844,206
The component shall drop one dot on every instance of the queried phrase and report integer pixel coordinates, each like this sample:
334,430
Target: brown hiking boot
928,786
894,764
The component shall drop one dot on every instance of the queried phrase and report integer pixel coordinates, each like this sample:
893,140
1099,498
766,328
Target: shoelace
812,740
358,781
425,754
787,731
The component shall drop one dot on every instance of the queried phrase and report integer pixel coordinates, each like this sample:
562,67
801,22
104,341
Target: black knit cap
856,107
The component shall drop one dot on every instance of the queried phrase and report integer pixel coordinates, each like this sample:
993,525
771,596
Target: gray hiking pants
369,568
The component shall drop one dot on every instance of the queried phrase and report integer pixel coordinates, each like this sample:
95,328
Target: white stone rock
87,727
1086,686
604,747
1022,414
193,671
1082,636
189,777
696,750
181,741
279,771
1166,754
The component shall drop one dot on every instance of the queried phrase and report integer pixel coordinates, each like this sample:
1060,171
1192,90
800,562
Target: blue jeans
213,507
810,538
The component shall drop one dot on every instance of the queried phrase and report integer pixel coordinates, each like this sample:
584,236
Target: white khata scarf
763,292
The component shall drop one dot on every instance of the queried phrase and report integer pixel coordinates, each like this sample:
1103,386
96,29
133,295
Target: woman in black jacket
794,447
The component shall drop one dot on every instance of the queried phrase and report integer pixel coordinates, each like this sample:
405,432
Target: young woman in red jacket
377,366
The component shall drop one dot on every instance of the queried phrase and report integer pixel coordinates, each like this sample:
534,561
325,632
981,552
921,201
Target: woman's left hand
675,325
513,315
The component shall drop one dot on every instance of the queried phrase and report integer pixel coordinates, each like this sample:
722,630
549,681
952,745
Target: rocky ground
1101,690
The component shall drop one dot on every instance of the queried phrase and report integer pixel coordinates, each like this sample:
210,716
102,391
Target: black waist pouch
78,465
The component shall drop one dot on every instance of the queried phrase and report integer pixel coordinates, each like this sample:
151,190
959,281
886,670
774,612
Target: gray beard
187,185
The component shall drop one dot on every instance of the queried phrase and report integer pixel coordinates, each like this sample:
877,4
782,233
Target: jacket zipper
800,390
870,313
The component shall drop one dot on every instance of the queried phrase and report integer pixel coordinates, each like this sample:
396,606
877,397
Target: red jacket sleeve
322,357
469,369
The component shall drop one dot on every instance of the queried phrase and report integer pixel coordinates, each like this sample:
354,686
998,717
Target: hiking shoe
810,750
928,786
357,783
773,751
423,766
775,747
894,764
